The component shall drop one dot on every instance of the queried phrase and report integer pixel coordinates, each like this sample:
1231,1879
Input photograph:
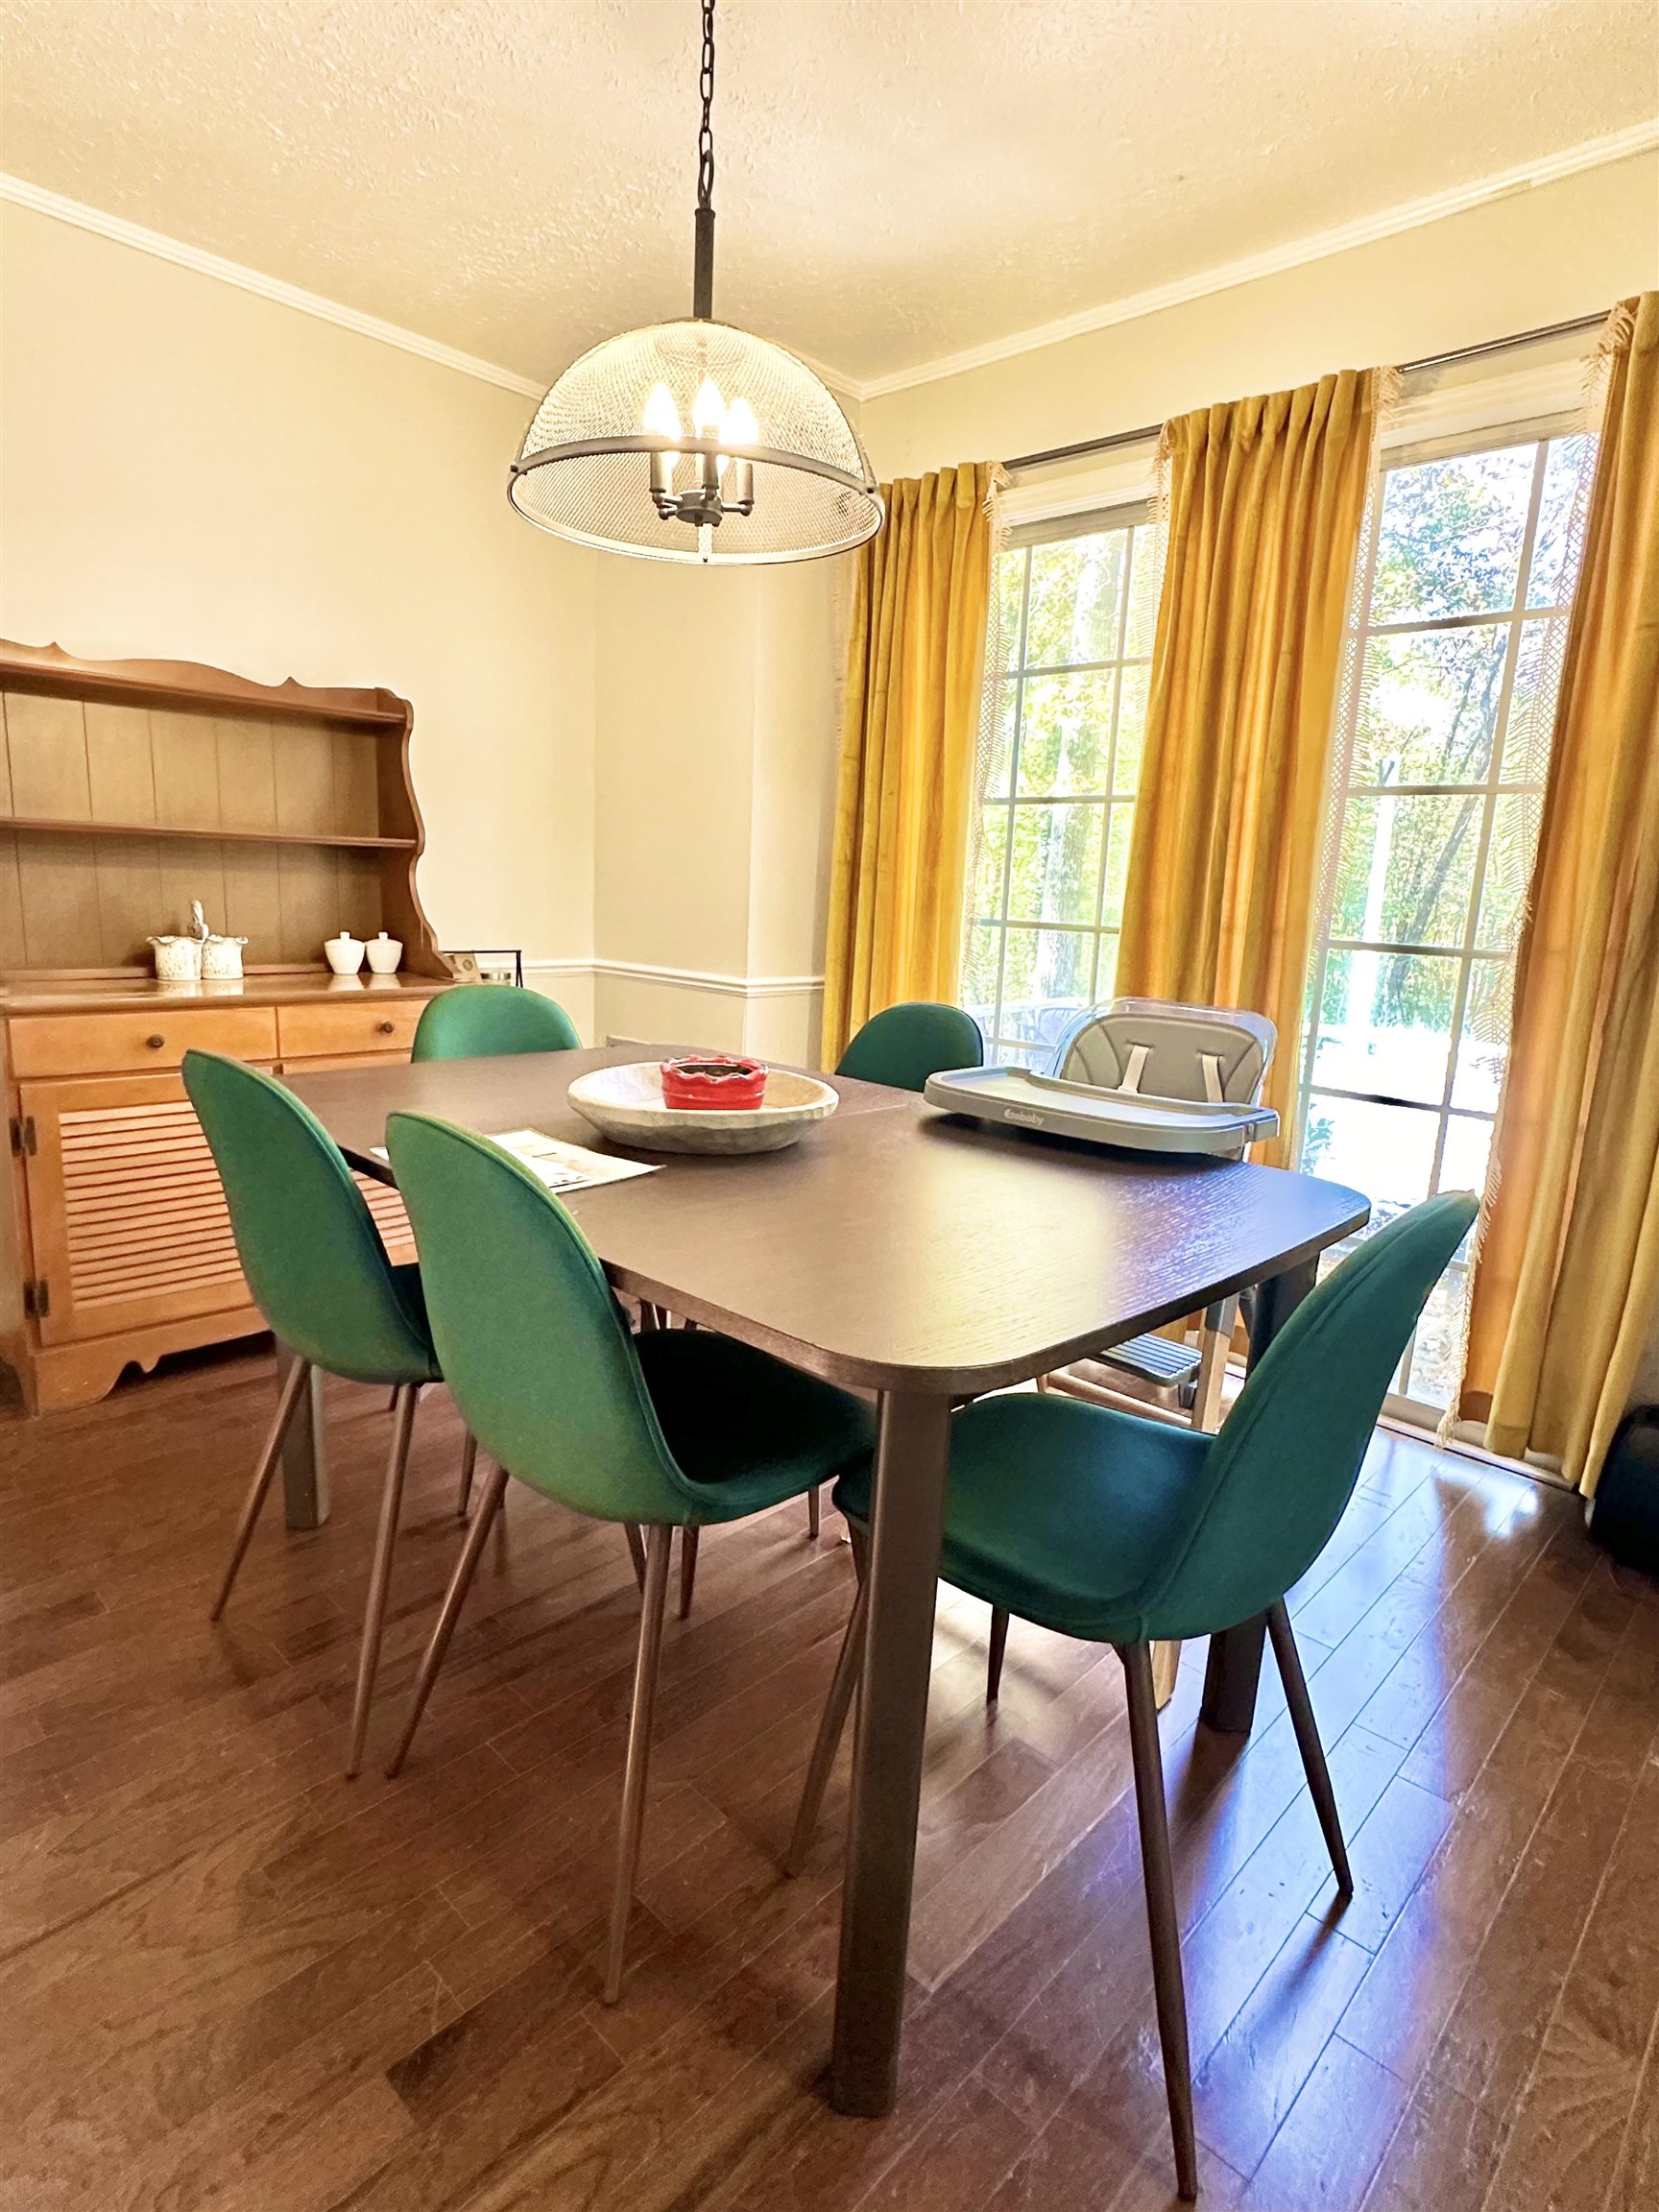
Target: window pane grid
1054,829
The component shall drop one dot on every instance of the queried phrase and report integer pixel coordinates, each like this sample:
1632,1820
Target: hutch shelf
127,790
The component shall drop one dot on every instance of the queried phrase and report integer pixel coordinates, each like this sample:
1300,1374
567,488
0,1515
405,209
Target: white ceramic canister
384,953
178,959
344,953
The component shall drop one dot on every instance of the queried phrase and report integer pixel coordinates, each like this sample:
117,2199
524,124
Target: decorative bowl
626,1105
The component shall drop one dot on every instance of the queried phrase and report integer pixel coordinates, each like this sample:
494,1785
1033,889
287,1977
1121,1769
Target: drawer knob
386,1028
156,1043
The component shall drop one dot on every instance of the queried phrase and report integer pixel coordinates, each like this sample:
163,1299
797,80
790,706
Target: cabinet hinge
23,1139
37,1298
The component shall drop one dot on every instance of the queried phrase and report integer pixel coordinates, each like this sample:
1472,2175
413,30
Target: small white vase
344,953
384,953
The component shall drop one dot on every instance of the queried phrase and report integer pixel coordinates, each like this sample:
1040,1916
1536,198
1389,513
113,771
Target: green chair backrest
532,1344
476,1021
1283,1467
904,1045
304,1235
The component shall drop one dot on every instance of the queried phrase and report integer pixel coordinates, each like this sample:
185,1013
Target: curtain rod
1151,430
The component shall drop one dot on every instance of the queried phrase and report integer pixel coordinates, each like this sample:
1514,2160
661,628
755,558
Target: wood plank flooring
231,1980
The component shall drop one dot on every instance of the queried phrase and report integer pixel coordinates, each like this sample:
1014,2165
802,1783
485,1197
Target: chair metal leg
449,1611
270,1453
814,1514
658,1542
842,1683
468,1461
1296,1697
635,1549
689,1539
1161,1924
380,1575
993,1657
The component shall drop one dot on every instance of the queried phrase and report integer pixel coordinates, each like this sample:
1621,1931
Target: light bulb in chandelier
693,441
661,420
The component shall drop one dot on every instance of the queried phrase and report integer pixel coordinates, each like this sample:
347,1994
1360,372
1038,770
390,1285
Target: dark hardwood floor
230,1979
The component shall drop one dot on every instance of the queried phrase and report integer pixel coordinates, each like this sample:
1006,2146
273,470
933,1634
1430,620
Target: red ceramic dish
717,1080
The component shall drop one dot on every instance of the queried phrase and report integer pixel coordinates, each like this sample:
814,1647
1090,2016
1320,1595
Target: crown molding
36,197
1318,246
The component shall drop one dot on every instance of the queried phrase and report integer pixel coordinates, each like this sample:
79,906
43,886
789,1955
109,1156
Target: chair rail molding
745,987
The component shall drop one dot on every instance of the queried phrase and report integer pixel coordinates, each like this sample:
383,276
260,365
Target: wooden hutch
127,790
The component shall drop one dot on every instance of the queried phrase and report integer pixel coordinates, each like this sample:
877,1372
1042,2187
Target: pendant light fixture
693,441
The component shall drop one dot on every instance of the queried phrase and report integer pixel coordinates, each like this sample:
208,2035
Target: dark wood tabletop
904,1251
894,1247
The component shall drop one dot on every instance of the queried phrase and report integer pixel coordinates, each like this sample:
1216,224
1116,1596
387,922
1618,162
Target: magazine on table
562,1167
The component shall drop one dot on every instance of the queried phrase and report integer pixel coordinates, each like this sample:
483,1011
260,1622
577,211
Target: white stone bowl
626,1105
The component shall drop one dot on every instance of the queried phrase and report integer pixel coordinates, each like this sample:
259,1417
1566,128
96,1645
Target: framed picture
487,967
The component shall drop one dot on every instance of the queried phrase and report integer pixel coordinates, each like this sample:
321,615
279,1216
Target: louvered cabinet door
390,1219
127,1217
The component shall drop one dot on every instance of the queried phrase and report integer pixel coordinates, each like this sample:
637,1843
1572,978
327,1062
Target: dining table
921,1260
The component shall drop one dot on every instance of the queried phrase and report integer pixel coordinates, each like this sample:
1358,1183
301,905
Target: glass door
1467,573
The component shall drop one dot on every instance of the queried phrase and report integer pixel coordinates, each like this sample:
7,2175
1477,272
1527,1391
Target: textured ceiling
898,179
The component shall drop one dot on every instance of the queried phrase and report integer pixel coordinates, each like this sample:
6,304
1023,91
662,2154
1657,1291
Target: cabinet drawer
121,1043
368,1025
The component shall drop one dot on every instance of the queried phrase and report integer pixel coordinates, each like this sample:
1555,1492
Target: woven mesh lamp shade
683,403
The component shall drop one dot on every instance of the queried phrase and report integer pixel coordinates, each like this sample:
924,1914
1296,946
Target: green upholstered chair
904,1045
1125,1531
479,1020
319,1275
672,1429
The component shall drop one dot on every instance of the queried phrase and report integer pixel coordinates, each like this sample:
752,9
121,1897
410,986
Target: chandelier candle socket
693,441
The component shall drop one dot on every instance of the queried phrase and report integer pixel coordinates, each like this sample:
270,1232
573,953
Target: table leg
1235,1664
911,1458
305,1454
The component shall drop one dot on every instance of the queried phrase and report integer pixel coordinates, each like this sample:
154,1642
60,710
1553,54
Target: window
1070,644
1469,562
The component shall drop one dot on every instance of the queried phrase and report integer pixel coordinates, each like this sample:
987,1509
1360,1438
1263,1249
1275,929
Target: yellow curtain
1566,1287
909,734
1265,500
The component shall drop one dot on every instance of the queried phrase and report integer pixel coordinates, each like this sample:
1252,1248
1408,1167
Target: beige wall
616,759
716,738
1541,255
190,471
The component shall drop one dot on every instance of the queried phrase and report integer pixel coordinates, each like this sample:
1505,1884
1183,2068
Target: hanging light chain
577,472
706,133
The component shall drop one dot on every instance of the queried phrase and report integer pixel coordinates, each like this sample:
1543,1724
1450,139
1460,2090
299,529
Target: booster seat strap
1210,1062
1138,1055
